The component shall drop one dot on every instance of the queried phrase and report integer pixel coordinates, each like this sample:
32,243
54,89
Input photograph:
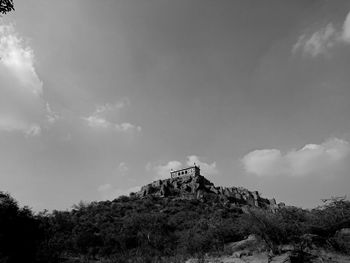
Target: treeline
158,229
141,230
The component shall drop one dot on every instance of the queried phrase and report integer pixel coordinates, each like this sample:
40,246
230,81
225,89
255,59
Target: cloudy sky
98,98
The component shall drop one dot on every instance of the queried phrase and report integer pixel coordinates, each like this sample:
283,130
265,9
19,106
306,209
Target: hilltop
197,187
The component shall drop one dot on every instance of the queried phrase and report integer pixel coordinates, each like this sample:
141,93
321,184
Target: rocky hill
198,187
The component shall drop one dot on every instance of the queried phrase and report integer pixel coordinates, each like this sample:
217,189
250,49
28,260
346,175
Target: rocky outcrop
198,187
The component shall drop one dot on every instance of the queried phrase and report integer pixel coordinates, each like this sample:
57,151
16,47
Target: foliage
332,216
141,228
6,6
285,226
19,232
151,229
302,228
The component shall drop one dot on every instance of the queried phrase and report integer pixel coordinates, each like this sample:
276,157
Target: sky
98,98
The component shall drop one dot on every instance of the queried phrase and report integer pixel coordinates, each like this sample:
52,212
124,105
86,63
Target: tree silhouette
19,232
6,6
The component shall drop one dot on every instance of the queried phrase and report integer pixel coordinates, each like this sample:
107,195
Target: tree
19,232
6,6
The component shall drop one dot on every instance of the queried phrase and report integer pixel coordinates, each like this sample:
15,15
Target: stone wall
190,171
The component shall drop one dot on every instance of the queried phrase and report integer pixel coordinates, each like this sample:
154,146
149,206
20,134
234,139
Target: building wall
191,171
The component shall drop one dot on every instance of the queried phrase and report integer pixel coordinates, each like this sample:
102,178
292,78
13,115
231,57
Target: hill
199,188
174,220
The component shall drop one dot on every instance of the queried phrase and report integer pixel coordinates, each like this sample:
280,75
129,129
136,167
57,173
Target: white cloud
318,43
104,187
322,159
102,109
163,171
33,130
21,107
10,124
123,169
109,192
19,60
51,115
321,41
97,122
148,166
127,127
98,119
206,168
346,29
263,162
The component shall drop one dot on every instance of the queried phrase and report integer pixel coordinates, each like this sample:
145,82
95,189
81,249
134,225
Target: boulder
164,190
241,253
272,201
250,244
342,237
227,191
344,232
214,190
286,248
255,195
157,183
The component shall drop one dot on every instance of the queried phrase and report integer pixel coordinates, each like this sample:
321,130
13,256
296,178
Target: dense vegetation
156,229
20,235
6,6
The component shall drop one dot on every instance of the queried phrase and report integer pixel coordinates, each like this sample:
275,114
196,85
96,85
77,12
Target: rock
227,192
164,191
342,237
200,194
157,183
284,258
241,253
255,195
272,201
286,248
214,190
252,243
238,196
344,232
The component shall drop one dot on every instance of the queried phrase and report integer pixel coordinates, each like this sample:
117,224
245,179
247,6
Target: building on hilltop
190,171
